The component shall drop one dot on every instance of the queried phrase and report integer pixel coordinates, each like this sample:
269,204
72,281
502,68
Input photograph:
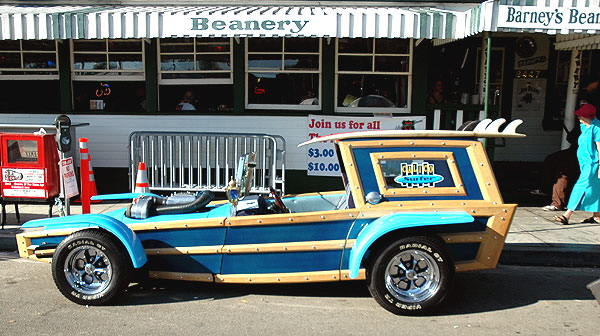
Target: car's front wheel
91,267
411,276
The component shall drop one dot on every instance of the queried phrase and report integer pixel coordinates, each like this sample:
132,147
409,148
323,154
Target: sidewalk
534,238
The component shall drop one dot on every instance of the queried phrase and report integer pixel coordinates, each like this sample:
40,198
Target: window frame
102,76
195,81
296,107
32,76
457,190
365,110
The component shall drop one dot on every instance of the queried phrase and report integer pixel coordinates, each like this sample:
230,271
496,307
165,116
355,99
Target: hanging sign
67,172
255,24
322,157
541,17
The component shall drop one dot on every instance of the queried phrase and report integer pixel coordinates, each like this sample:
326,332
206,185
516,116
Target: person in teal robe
586,192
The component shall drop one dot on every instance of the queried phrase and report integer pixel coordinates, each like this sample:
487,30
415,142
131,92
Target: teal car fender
383,225
123,233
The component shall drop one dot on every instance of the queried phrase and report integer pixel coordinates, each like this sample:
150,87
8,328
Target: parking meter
63,133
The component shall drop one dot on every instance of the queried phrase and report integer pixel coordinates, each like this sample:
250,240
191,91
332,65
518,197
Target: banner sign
540,17
321,156
67,172
244,24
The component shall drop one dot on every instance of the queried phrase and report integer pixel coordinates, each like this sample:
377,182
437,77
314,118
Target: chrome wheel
88,270
412,276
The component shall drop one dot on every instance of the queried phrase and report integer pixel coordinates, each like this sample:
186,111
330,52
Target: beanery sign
249,25
532,17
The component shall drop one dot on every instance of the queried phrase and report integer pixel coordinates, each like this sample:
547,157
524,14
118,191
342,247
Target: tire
411,276
91,267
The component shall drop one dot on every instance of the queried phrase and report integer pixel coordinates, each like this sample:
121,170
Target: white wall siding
533,148
109,134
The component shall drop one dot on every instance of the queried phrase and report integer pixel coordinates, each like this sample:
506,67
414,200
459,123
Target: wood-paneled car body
419,205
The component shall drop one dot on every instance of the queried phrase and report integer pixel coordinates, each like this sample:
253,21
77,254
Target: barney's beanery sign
321,157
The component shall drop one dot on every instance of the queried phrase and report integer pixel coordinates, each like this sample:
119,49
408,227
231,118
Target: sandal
591,220
562,219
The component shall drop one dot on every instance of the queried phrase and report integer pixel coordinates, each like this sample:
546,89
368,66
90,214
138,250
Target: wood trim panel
179,224
202,277
362,275
483,172
184,250
411,143
296,277
472,265
48,253
352,173
322,245
293,218
52,233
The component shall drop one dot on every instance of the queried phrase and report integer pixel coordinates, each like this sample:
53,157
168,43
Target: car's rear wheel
411,276
91,267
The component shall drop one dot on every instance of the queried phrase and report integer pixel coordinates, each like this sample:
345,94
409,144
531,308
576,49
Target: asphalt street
509,300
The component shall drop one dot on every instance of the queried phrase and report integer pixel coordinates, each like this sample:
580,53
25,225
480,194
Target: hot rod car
418,206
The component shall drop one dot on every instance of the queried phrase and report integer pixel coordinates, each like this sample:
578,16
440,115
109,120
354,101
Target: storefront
259,69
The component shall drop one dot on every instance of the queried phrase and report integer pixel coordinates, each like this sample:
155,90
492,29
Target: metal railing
183,161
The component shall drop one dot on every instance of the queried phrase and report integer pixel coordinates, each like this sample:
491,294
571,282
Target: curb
8,242
565,255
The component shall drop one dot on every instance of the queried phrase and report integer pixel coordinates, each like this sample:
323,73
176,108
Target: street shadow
167,291
507,287
510,287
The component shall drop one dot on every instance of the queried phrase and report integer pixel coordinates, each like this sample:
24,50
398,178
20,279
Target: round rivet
463,203
185,225
431,203
305,278
349,164
504,210
502,218
249,279
412,143
285,248
489,183
259,221
322,217
481,164
291,219
425,191
414,155
351,215
314,247
256,249
495,203
473,211
443,143
278,279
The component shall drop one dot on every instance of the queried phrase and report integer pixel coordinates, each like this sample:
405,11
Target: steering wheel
278,201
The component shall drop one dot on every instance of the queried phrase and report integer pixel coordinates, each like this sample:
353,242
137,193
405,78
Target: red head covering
587,111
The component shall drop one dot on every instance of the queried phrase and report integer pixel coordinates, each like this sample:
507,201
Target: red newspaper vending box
29,166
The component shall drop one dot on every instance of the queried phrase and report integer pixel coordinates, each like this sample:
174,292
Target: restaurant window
283,73
195,74
108,75
373,75
29,72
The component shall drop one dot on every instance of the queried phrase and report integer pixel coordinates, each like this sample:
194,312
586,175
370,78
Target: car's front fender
115,227
389,223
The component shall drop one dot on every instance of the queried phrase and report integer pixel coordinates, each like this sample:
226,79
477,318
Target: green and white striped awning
122,22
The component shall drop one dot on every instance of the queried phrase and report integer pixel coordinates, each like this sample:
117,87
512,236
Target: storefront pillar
486,53
64,75
572,91
151,71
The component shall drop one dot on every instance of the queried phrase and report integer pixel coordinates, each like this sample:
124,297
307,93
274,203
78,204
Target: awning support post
572,91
